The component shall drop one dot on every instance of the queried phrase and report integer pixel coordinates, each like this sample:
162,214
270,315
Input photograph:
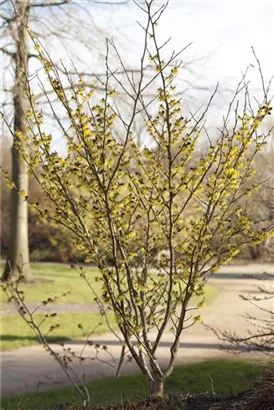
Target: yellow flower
23,193
112,93
37,47
174,71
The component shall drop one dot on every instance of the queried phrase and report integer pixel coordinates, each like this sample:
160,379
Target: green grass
57,280
223,376
16,333
60,279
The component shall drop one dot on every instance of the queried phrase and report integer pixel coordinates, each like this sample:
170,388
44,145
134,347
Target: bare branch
50,3
7,52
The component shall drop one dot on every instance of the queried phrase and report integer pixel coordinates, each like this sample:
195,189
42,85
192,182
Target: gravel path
30,369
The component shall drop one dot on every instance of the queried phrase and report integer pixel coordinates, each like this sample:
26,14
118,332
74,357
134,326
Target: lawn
58,279
216,376
16,333
55,280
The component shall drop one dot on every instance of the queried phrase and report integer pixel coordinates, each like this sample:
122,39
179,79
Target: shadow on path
58,339
187,345
242,276
51,339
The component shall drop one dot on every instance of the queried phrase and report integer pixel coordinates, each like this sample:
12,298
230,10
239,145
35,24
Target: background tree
38,14
18,250
15,17
261,208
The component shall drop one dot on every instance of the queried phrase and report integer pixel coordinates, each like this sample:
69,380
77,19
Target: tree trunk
157,387
255,251
18,249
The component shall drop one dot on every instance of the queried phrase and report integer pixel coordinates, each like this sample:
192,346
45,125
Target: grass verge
56,280
16,333
217,376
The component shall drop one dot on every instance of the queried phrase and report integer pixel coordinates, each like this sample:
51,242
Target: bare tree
18,250
19,19
44,21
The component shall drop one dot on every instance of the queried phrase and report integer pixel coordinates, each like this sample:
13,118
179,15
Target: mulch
259,397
